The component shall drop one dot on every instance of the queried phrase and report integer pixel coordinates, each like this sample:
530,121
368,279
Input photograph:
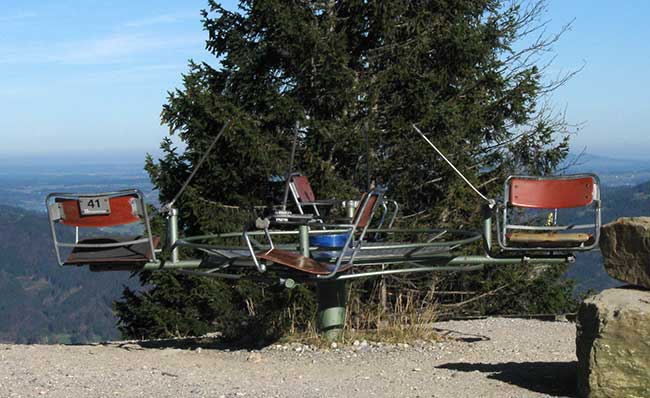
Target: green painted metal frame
432,262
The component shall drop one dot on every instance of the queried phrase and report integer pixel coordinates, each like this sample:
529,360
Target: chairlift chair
97,211
305,199
361,221
303,195
550,193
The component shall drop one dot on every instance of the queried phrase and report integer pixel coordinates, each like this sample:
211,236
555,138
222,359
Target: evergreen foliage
245,312
351,76
510,290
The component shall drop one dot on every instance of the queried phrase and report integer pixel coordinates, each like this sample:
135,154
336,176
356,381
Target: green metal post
487,227
173,233
350,208
332,296
303,233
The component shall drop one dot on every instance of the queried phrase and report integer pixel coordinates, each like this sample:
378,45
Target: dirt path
491,358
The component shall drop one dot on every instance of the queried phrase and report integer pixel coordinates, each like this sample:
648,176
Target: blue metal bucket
333,241
328,246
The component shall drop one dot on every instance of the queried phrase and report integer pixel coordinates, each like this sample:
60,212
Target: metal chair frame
501,215
362,219
57,213
300,201
294,180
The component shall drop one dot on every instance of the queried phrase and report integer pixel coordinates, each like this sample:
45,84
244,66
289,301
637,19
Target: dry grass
387,313
392,314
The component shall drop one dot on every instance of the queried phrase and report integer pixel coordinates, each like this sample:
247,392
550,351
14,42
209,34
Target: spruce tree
352,77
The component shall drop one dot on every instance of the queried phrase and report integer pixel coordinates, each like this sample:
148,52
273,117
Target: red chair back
123,211
363,214
554,193
303,189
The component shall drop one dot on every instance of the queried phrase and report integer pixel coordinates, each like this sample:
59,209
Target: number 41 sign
94,206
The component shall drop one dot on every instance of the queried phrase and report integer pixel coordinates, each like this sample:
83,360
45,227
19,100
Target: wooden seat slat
549,238
135,253
298,262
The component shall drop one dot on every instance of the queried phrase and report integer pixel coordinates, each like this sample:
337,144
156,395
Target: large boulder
613,344
625,245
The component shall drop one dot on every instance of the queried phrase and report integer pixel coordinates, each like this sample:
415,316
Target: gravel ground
486,358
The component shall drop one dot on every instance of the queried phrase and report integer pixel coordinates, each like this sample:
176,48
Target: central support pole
332,297
173,233
303,234
487,227
350,207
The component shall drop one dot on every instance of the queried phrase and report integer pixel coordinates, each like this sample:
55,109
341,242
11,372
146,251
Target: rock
625,245
613,344
255,357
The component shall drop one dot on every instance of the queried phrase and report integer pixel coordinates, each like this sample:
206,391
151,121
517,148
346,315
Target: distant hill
612,171
26,186
622,201
41,302
605,164
626,201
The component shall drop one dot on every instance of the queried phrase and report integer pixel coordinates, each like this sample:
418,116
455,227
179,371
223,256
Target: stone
255,357
613,344
625,245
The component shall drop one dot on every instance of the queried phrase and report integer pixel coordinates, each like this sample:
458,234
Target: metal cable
287,181
490,201
169,205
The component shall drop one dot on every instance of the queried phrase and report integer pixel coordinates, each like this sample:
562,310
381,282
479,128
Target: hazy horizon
138,155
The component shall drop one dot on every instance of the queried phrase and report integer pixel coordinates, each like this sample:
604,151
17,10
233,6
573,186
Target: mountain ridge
41,302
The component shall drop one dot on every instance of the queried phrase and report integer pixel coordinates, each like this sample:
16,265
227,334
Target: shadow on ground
188,343
460,336
552,378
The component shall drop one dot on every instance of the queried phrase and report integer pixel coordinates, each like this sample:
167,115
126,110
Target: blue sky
611,94
91,76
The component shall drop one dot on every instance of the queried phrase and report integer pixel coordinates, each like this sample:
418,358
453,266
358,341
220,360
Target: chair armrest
285,218
336,225
331,202
260,267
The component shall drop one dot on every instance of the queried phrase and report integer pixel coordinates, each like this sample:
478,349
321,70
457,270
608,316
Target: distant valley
612,171
41,302
26,187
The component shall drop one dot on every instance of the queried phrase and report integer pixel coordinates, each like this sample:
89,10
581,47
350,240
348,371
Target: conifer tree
353,76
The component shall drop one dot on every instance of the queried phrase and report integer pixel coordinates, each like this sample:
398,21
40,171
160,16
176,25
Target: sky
611,94
90,77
